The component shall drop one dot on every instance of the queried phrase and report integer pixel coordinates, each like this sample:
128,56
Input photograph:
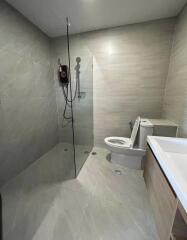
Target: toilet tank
164,128
146,129
155,127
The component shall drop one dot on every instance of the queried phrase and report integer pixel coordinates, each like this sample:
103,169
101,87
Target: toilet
129,152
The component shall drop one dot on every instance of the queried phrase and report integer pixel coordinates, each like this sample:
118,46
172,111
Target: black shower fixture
63,74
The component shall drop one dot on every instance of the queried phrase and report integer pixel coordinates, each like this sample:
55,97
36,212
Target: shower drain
118,172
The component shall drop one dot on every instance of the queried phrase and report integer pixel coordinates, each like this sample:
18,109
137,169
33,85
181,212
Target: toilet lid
135,131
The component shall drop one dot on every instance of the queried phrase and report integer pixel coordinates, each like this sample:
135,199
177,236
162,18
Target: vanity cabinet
166,207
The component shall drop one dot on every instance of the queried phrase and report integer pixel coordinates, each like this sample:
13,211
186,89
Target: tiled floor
98,205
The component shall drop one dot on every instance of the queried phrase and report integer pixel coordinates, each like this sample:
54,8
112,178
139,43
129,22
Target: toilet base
133,162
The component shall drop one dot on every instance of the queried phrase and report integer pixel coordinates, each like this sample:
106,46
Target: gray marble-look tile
130,66
99,204
175,97
28,115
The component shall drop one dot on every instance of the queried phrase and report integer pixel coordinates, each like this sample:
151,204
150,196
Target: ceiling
88,15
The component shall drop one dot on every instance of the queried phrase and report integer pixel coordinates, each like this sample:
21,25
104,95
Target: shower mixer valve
63,74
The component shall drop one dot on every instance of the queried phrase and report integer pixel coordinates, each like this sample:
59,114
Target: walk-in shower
64,76
72,96
46,104
46,116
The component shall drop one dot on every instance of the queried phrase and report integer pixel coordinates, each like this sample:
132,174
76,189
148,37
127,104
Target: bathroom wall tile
83,107
175,98
28,113
130,67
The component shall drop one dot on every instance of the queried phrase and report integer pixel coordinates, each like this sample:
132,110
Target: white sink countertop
171,154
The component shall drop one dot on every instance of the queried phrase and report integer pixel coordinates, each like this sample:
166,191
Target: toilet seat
124,151
118,142
121,142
